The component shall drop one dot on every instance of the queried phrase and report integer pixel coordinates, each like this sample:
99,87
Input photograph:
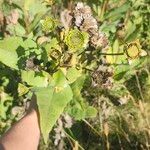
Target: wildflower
134,50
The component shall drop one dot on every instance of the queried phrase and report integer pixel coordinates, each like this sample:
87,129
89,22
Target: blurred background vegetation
123,119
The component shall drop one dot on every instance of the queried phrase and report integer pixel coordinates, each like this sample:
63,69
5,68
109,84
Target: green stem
111,53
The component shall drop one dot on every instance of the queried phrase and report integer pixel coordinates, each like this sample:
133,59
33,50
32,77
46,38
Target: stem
87,69
91,127
111,53
73,140
107,143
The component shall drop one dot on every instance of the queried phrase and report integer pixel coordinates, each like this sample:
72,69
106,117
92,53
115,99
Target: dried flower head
85,21
83,15
89,24
102,77
66,18
76,40
99,40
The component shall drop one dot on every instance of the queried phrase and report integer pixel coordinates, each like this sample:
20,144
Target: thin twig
87,69
91,127
103,9
73,140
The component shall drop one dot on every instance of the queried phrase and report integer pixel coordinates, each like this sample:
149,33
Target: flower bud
76,40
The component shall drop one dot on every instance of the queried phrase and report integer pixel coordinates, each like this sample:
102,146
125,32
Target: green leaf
117,11
52,101
124,71
9,58
78,85
11,43
4,105
77,113
35,22
73,74
77,110
44,100
90,112
29,43
37,79
19,30
22,89
34,7
133,35
52,45
130,28
8,51
76,88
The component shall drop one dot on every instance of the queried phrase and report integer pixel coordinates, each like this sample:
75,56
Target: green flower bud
76,40
48,24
